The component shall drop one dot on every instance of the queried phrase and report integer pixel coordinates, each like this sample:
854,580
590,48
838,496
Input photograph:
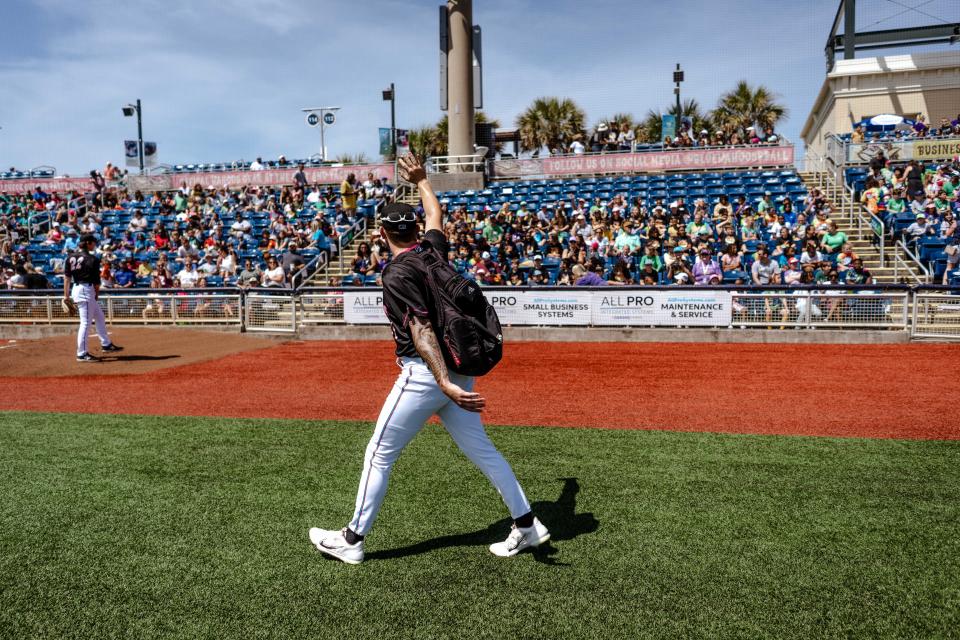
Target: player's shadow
136,358
560,517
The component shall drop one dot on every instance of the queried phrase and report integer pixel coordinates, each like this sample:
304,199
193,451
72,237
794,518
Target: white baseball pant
85,297
416,397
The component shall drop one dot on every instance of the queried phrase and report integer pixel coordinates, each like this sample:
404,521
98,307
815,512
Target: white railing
345,238
473,162
923,277
936,313
876,226
924,311
140,307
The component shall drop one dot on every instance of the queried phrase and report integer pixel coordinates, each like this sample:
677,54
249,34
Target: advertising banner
547,307
384,141
132,154
668,127
364,307
268,177
645,162
49,185
661,308
217,179
917,149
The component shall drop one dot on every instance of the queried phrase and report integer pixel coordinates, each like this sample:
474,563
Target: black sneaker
86,357
111,347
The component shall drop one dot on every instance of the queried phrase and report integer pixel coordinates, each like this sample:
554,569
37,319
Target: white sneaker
520,539
334,544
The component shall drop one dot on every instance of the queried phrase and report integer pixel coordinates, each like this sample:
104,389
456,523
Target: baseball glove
69,306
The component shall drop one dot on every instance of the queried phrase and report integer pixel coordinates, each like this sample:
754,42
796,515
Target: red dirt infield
879,391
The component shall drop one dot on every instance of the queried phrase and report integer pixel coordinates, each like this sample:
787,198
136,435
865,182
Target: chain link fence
271,311
924,312
826,309
936,313
185,307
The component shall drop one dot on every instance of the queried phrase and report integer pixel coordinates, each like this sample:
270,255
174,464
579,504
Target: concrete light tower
460,78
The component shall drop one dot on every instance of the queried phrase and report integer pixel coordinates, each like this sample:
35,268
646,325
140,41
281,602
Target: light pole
391,95
322,117
678,78
128,111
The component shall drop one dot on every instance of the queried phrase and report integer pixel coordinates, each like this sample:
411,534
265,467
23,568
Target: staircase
861,240
321,277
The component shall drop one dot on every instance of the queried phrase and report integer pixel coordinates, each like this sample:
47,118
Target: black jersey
405,292
83,268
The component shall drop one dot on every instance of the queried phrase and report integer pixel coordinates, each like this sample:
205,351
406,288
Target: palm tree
442,129
347,158
748,107
550,121
425,142
650,129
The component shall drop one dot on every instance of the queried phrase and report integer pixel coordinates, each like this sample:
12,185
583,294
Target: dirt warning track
885,391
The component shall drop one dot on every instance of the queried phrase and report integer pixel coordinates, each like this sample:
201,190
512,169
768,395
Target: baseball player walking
424,388
83,270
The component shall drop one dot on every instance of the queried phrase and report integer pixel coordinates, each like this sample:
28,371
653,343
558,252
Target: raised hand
410,169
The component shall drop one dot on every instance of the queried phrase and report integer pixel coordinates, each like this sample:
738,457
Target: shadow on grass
560,517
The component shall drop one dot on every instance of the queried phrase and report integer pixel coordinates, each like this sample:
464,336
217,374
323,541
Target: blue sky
226,80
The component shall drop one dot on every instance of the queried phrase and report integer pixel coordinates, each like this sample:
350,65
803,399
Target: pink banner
49,185
267,177
649,162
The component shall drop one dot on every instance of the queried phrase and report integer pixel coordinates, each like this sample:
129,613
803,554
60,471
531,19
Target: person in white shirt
256,165
274,275
240,227
137,223
576,147
188,277
314,196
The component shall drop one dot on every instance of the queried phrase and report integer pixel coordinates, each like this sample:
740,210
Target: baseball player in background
424,388
83,271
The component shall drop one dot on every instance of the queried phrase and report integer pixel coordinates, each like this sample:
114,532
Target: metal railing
345,238
936,312
303,274
924,311
473,162
876,226
922,277
143,307
896,149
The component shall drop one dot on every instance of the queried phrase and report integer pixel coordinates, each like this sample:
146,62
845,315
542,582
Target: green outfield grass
142,527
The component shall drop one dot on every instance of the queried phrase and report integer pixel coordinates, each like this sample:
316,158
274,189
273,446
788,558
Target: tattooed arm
425,340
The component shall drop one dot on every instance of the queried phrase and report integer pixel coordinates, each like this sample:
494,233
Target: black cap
398,217
87,237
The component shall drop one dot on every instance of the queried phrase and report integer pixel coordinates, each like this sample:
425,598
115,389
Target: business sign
329,118
914,149
637,307
313,119
646,162
364,307
546,307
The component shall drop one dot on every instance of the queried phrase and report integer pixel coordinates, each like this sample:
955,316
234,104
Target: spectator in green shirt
833,240
653,259
492,231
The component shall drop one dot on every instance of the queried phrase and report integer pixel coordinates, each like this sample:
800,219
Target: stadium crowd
619,242
609,138
254,236
919,129
920,205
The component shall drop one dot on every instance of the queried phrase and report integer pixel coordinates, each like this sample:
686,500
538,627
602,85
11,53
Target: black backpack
467,327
